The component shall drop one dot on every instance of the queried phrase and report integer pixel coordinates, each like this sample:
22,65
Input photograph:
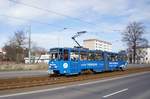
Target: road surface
13,74
133,86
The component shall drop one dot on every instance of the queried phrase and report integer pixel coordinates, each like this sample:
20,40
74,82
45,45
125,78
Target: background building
95,44
38,59
2,54
1,51
143,55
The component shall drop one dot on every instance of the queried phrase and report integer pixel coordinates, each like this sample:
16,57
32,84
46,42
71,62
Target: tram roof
83,49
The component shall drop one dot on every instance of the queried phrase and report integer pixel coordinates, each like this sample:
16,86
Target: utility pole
29,52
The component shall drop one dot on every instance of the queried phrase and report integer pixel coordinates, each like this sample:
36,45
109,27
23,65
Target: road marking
32,92
115,93
69,86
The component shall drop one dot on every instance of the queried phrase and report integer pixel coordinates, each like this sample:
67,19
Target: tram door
106,61
74,64
113,61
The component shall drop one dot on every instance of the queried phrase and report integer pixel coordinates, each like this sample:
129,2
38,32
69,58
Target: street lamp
58,37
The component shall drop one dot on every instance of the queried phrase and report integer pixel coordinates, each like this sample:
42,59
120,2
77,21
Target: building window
145,53
146,58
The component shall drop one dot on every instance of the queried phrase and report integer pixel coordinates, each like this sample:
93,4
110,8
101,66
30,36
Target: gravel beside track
15,83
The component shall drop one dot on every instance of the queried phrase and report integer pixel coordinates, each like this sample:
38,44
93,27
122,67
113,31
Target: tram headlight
49,66
53,66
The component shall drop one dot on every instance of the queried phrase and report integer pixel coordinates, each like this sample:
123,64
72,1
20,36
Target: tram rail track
25,82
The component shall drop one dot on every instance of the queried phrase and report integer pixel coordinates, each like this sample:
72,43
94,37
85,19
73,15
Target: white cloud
74,8
139,15
65,7
68,7
113,7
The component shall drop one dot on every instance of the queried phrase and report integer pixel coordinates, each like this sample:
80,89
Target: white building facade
41,59
143,55
95,44
2,52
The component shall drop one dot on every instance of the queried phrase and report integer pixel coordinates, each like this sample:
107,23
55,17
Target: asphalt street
13,74
133,86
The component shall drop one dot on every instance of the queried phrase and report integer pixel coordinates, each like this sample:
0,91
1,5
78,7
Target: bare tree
15,47
133,36
18,39
38,51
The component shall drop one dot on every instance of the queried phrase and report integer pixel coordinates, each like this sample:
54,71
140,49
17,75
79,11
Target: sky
54,22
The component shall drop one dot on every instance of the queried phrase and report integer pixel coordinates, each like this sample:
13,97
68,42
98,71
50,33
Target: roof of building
97,40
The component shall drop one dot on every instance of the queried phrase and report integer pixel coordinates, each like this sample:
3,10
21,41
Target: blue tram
69,61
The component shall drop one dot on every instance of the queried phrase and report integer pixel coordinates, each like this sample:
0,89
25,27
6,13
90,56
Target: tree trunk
134,53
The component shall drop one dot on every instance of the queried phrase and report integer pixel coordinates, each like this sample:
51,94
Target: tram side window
60,56
66,55
108,57
91,56
123,57
116,57
74,55
120,58
83,56
98,56
112,57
